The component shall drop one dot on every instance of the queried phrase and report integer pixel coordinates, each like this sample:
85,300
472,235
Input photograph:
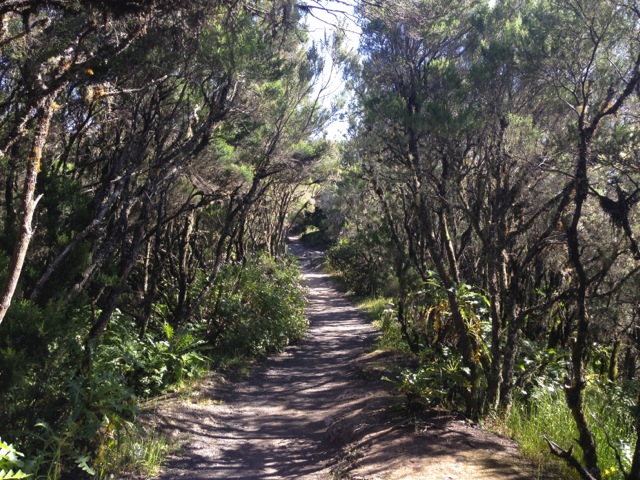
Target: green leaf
10,474
9,457
82,462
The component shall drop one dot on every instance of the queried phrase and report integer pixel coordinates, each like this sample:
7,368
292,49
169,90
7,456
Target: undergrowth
73,412
540,410
609,408
380,310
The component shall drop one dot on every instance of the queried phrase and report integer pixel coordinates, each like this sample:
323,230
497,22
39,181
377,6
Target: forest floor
321,411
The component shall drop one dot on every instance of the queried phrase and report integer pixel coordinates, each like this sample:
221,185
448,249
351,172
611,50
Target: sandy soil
320,411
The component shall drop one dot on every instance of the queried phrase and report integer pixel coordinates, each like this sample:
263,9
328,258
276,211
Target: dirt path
320,411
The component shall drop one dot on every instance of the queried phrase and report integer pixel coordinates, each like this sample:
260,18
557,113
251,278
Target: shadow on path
273,425
321,407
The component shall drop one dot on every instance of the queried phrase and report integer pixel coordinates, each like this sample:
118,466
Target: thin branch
567,455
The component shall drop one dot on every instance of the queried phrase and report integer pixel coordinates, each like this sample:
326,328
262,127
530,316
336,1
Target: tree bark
29,204
635,464
575,391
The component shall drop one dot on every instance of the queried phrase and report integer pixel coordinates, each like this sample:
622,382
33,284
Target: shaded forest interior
154,156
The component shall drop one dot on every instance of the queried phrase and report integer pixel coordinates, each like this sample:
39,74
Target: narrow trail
314,412
274,425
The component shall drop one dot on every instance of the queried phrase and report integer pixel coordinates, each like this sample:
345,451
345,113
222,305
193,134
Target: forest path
320,411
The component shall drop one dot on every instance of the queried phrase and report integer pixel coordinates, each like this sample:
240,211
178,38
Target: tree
172,139
35,78
488,140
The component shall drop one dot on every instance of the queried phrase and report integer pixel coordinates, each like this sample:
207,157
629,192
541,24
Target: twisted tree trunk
29,204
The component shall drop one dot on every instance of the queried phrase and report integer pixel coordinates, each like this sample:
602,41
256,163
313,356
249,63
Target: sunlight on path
274,425
313,409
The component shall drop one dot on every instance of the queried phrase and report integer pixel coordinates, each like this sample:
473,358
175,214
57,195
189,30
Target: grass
380,310
137,452
546,413
374,307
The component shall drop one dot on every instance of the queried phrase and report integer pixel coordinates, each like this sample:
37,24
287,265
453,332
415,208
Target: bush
70,418
155,363
101,408
438,381
75,418
261,309
363,265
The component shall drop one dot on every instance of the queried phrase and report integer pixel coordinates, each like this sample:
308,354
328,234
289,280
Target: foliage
544,412
93,428
362,264
381,311
11,463
152,364
438,381
33,391
262,310
136,451
490,162
101,407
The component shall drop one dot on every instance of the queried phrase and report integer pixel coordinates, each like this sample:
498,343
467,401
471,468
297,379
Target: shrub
76,418
363,265
438,381
158,361
261,309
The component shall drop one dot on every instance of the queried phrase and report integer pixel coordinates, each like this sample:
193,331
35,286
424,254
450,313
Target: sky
323,19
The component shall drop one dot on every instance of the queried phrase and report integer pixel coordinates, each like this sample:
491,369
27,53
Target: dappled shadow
435,446
274,424
310,410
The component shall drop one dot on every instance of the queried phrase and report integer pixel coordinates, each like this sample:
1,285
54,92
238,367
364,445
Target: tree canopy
146,150
492,157
154,156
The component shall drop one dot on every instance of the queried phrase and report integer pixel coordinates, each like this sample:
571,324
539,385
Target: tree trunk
126,264
613,362
9,196
634,474
29,203
183,282
575,391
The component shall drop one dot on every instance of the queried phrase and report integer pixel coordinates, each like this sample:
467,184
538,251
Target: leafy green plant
11,463
382,311
539,367
437,381
363,264
157,362
101,407
261,310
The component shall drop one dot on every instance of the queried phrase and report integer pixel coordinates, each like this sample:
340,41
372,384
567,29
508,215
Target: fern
10,474
83,464
9,460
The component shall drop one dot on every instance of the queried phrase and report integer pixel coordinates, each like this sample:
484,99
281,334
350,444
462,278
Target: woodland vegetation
490,189
154,154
